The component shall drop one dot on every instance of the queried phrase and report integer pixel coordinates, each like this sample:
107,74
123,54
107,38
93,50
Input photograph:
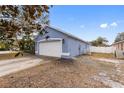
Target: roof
118,42
68,34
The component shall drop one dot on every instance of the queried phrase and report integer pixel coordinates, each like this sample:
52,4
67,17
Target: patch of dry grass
10,56
106,66
7,56
102,55
58,73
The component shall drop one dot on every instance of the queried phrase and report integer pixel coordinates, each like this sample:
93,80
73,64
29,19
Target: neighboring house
119,45
57,43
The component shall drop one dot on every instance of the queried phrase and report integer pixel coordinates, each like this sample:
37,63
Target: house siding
119,46
77,47
70,44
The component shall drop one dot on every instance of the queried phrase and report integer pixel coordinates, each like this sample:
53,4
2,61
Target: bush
27,46
3,46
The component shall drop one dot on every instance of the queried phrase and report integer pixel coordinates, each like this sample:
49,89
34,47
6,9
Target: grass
58,73
102,55
8,56
105,66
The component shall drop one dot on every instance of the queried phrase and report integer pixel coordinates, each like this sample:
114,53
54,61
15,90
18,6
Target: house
119,49
119,45
57,43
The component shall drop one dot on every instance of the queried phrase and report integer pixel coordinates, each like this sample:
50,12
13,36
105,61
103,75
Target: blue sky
89,22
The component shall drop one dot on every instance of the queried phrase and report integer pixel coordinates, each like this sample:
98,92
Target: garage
51,47
58,43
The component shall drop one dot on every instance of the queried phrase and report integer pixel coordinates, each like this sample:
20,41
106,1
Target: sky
89,22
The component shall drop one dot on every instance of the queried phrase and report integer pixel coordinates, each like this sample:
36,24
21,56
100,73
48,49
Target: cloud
105,25
114,24
82,26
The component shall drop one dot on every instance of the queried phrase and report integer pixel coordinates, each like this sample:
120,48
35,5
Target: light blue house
57,43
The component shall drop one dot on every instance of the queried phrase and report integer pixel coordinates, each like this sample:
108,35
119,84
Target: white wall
102,49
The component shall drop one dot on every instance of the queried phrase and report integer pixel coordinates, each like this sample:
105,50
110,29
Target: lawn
57,73
102,55
61,73
10,55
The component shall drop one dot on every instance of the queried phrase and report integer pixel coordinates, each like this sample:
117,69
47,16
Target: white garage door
51,48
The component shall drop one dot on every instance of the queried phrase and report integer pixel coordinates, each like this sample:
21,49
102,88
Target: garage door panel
53,48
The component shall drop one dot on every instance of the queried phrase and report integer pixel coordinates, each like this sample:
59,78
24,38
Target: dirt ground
58,73
61,73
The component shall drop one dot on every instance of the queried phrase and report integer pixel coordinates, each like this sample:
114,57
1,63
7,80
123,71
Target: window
63,41
47,37
121,46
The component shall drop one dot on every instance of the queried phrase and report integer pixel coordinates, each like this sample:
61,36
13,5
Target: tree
100,41
21,21
119,37
27,44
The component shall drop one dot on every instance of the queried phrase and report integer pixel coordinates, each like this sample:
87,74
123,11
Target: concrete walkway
104,78
107,81
14,65
7,52
109,60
